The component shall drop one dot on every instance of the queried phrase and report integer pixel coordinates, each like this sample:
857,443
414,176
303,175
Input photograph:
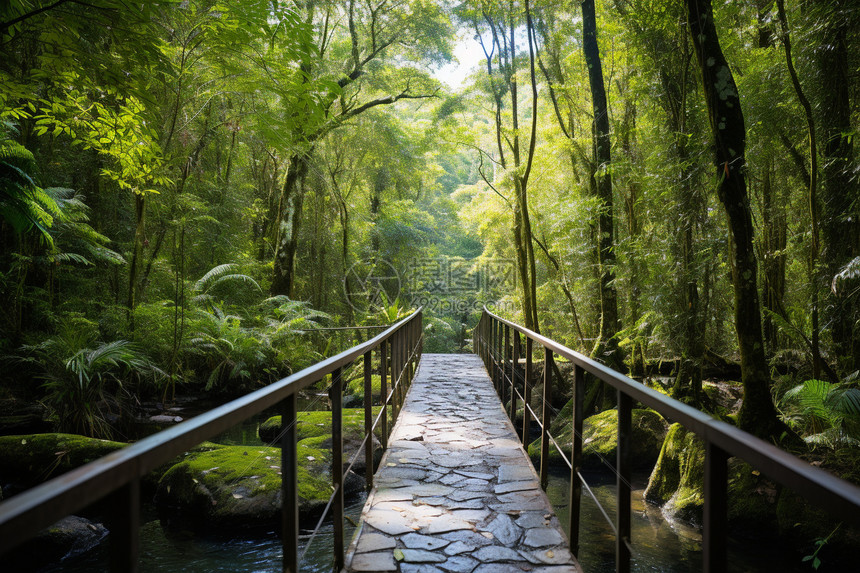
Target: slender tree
607,348
728,130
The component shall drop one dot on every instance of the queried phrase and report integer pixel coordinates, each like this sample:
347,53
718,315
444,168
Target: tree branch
6,25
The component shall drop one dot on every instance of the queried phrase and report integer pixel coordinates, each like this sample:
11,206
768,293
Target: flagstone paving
456,492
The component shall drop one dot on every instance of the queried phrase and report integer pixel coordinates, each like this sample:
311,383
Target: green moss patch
240,486
356,387
318,423
600,438
28,460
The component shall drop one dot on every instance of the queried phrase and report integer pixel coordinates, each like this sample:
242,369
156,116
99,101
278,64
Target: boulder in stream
600,438
28,460
70,537
240,486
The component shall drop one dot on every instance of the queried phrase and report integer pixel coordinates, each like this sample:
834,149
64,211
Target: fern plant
290,326
233,355
214,281
826,414
23,204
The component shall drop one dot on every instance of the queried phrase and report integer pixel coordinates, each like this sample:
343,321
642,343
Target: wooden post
505,357
514,363
383,391
368,419
715,511
527,393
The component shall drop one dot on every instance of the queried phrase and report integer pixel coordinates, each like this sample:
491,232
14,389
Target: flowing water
659,545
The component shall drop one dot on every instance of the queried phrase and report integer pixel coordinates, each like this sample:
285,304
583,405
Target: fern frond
215,272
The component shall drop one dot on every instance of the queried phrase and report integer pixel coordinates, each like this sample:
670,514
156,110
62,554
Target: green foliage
231,353
23,204
217,280
88,383
826,414
239,353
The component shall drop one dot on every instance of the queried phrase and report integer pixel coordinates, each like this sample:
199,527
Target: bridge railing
497,342
117,476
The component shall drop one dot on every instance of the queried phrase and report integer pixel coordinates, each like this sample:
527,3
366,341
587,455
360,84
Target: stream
659,545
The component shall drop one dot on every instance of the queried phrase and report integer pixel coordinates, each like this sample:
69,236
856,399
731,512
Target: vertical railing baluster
368,419
420,334
505,357
625,416
484,335
515,358
395,372
289,485
336,395
412,356
527,393
484,338
399,376
493,351
383,392
576,457
403,368
499,371
716,507
544,438
408,359
124,526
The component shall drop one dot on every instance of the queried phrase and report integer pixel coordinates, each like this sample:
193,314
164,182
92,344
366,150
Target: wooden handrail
118,474
838,497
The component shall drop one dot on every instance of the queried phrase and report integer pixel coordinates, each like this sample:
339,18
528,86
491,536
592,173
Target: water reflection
168,550
660,545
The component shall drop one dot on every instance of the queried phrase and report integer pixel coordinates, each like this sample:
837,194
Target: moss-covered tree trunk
757,414
607,349
289,222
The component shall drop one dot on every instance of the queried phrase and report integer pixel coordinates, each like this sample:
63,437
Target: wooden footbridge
455,491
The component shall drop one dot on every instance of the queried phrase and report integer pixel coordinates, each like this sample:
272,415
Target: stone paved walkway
456,492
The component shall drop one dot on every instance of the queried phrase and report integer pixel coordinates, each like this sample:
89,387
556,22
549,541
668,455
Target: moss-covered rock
600,438
236,485
70,537
677,481
240,486
28,460
318,423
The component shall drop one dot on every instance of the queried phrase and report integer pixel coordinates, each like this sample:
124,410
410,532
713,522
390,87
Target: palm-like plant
390,312
824,413
215,279
85,380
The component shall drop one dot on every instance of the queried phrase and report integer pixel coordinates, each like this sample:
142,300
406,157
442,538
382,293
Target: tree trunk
757,414
813,187
290,217
137,247
839,190
607,349
773,247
